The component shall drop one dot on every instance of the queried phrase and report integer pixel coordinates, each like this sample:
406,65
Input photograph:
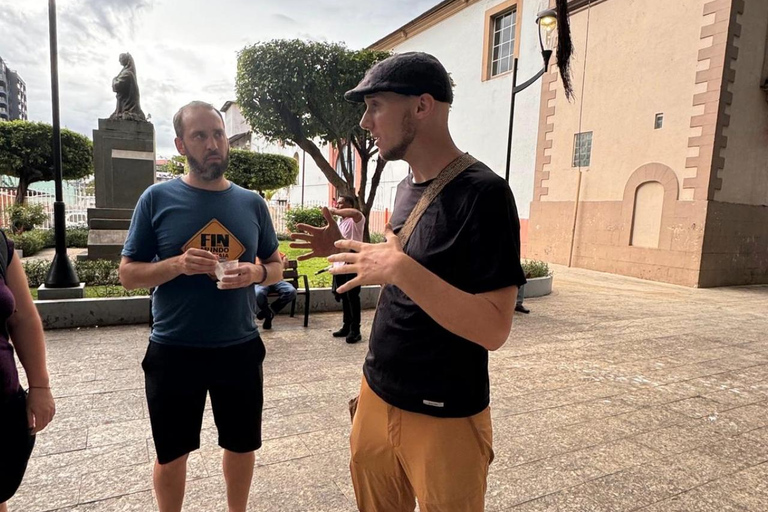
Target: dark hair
178,120
348,199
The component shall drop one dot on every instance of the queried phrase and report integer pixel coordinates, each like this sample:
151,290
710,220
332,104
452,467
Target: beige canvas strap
433,190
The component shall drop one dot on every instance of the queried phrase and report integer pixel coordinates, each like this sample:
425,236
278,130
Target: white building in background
312,188
476,41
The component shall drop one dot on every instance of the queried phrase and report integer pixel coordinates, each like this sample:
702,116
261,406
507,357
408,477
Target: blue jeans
286,293
520,295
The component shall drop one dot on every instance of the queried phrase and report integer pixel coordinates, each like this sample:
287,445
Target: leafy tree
261,171
293,91
25,152
175,165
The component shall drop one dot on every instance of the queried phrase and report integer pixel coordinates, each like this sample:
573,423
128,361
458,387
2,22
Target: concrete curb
68,313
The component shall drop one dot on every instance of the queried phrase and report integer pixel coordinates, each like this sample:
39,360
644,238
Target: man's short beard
207,172
408,134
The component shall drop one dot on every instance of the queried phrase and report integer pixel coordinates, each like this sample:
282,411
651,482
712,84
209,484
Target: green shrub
90,272
26,217
98,272
283,237
31,242
378,238
536,268
36,271
77,237
299,215
50,239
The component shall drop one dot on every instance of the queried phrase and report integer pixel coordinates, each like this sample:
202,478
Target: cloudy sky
184,49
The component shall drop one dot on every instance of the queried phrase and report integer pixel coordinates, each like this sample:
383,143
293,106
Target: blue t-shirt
173,216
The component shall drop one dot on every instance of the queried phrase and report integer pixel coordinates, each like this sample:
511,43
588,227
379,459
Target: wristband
264,270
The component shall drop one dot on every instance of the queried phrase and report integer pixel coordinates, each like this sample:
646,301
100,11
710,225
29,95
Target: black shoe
522,309
260,315
342,333
268,316
354,337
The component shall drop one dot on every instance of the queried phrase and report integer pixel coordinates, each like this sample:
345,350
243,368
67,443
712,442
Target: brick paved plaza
614,394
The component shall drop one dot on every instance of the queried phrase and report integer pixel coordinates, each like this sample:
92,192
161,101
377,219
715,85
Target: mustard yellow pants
400,456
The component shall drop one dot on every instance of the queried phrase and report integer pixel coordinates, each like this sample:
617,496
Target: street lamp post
547,22
61,273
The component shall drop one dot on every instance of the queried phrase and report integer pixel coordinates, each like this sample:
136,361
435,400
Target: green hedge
31,242
90,272
298,215
378,238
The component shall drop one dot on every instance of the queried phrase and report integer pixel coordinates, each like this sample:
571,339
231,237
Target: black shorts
16,443
177,380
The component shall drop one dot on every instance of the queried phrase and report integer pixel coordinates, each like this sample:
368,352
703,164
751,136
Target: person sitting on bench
286,294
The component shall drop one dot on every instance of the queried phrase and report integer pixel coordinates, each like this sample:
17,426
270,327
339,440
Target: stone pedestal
76,292
124,166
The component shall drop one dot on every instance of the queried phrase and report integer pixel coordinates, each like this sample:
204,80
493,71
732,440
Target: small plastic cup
224,265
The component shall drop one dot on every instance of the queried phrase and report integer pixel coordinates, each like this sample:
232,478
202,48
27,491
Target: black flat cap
411,73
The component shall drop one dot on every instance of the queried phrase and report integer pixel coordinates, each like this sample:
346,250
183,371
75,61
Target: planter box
67,313
19,253
538,287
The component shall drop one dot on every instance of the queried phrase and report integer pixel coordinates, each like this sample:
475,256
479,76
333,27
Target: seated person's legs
287,293
262,302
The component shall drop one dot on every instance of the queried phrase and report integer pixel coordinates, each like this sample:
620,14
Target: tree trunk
21,191
367,228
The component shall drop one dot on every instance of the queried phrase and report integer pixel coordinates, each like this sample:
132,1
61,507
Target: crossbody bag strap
433,190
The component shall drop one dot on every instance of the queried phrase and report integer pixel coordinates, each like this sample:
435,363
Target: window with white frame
503,42
582,149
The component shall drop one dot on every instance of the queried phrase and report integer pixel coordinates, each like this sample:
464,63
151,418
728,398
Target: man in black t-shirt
423,427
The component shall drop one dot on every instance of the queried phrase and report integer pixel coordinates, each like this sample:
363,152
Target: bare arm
26,332
356,215
484,318
140,274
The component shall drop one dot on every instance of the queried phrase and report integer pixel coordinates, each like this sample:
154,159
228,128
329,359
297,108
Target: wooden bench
291,275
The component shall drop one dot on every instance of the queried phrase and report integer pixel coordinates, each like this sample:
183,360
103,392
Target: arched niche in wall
648,207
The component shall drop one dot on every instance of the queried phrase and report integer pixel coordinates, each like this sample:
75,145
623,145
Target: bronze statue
126,88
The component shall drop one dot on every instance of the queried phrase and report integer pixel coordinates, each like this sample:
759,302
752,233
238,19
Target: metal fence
76,206
76,210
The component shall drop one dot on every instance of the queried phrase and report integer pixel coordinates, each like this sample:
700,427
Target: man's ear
425,105
180,146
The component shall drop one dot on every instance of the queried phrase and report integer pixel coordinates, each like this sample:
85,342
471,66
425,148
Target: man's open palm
320,241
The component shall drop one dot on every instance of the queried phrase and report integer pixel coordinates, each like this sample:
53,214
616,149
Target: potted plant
539,278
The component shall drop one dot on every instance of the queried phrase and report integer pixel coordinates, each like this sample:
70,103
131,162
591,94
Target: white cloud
183,49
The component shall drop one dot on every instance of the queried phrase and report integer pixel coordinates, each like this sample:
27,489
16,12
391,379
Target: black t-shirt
470,237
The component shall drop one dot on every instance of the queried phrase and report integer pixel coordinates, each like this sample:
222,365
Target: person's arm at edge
26,330
356,215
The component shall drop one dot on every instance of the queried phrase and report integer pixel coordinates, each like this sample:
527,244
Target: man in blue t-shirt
204,337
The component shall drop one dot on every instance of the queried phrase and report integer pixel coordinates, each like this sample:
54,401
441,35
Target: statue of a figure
127,91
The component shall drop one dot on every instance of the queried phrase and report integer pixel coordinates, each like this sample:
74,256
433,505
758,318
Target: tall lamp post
61,273
547,22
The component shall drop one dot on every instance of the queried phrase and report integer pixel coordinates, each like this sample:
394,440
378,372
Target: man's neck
216,185
428,160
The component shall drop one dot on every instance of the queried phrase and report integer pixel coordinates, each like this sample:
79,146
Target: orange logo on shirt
216,239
